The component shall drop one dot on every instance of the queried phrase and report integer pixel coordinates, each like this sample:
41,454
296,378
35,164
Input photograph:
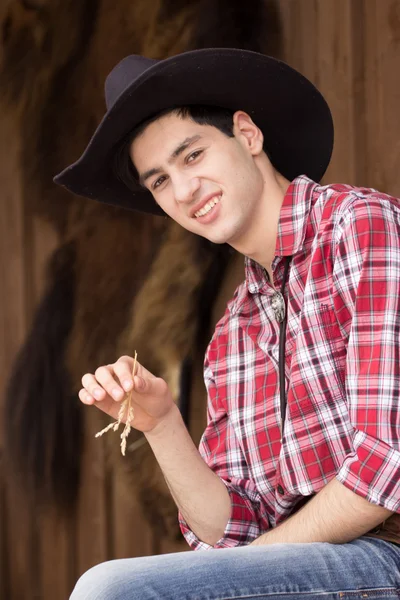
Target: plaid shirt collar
292,228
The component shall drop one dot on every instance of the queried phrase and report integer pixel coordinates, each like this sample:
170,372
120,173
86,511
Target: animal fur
43,430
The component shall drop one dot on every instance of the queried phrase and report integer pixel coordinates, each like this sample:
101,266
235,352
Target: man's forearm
336,515
200,495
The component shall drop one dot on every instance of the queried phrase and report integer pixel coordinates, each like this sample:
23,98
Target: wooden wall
351,50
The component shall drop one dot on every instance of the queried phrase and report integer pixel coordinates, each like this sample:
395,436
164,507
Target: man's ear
247,131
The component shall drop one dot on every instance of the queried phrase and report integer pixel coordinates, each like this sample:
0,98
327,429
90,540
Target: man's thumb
153,386
140,384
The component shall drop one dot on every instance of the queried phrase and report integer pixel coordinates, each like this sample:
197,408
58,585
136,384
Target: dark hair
221,118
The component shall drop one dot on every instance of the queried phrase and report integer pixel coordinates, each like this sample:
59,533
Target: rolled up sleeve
367,302
221,450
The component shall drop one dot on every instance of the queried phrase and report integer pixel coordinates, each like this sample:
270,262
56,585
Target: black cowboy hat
292,114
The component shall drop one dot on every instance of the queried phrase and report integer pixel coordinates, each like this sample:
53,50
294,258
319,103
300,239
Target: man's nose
185,188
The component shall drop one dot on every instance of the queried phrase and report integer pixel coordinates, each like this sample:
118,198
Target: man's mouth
206,209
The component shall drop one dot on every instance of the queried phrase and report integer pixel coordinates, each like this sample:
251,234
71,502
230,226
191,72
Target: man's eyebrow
182,147
178,150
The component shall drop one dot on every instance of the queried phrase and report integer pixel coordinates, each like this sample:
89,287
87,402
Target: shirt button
280,489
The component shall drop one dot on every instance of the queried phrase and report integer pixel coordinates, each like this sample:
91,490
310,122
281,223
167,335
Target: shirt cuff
246,523
372,471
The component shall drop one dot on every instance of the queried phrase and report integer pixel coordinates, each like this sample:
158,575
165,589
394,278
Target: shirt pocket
337,347
317,366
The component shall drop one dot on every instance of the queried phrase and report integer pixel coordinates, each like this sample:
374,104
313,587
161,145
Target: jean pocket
371,594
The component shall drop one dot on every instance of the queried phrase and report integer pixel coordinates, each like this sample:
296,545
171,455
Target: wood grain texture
16,523
382,94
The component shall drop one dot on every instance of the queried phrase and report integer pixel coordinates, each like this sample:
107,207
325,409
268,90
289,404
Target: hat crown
123,75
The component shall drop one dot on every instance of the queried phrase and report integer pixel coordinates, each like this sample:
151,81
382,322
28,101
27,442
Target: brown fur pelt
139,282
42,42
44,431
113,259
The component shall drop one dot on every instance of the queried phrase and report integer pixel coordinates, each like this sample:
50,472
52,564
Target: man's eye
194,155
158,182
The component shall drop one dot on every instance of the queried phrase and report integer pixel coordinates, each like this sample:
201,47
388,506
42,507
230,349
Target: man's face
207,182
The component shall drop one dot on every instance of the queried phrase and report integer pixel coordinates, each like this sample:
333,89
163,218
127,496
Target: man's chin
216,239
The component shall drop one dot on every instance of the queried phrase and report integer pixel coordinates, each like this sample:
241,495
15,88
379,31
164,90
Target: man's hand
199,494
109,385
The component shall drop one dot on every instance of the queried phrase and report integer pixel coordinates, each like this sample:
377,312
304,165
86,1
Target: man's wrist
171,420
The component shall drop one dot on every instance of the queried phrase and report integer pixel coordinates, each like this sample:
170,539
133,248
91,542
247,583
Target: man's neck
260,242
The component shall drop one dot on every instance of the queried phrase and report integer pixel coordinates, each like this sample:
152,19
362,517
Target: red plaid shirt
342,364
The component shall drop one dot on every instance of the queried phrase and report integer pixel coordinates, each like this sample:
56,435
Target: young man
297,478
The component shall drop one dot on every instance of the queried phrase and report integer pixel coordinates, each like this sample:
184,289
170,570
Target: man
297,479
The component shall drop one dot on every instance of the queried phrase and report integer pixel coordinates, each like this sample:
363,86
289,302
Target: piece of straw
125,410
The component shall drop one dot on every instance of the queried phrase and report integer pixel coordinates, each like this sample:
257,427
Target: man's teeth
206,209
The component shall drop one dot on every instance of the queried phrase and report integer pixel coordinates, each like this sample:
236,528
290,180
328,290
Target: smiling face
209,183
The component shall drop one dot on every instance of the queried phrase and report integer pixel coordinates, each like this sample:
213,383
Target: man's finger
85,397
151,386
139,384
123,370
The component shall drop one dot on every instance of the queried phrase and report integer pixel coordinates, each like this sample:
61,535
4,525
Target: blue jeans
365,568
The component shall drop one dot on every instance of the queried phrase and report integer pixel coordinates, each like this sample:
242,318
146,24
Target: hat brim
292,114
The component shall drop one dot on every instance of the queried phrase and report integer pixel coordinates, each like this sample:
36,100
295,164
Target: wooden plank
93,543
360,118
131,531
318,42
57,577
18,531
299,33
4,536
12,299
334,53
162,546
23,563
57,531
382,64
